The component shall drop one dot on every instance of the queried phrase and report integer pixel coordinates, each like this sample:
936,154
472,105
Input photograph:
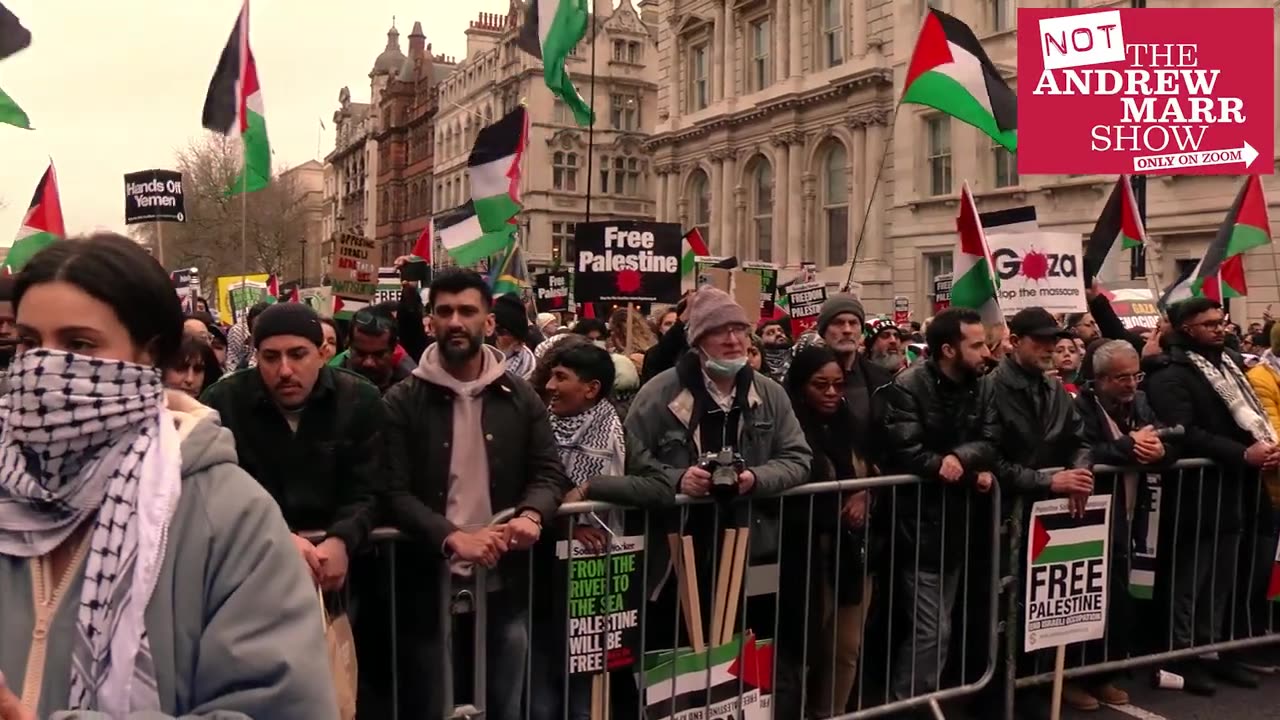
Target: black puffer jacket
928,416
1119,451
1033,424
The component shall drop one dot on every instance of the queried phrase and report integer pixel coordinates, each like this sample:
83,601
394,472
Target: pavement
1229,703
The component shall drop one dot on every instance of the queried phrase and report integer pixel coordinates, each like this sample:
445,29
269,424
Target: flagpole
591,129
244,230
866,214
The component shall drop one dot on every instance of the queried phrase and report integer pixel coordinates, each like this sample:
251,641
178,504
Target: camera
1171,433
724,466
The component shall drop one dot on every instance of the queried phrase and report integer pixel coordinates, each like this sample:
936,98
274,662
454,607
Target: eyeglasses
369,321
739,330
1136,378
1209,324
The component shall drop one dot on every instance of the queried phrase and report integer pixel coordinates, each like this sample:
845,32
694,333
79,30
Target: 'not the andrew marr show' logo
1184,91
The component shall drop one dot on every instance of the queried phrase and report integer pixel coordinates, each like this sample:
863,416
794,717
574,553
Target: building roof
391,59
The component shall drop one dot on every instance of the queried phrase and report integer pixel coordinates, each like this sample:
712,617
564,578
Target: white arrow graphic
1196,158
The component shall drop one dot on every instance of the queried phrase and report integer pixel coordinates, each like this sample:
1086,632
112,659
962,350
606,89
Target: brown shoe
1078,698
1111,695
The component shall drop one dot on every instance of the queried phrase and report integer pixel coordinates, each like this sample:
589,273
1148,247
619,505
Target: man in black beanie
310,434
512,331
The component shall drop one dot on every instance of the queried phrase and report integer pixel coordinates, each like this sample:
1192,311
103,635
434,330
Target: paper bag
341,645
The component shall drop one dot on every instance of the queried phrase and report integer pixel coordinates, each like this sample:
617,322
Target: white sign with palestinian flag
733,680
484,226
1066,592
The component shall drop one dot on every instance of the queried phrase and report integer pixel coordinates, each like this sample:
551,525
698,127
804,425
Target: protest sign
704,263
804,302
941,292
238,293
627,261
1151,90
733,680
1146,534
186,283
768,273
551,291
901,310
1038,269
1066,598
354,274
319,299
388,285
152,196
606,592
1136,307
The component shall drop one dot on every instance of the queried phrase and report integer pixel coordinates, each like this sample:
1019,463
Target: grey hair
1107,352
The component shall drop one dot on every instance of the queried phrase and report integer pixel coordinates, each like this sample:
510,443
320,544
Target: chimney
417,41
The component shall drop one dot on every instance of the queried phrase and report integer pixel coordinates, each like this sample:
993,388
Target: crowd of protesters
193,487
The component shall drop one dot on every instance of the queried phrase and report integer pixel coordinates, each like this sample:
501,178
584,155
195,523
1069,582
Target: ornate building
307,183
406,148
558,172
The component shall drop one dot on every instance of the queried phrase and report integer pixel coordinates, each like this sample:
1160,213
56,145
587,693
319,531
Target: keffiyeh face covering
79,436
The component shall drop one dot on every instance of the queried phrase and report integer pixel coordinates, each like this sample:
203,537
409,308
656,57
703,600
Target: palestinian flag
13,37
1119,228
973,283
233,107
494,167
1221,272
465,239
552,29
11,113
741,681
1059,538
951,73
41,227
422,246
697,249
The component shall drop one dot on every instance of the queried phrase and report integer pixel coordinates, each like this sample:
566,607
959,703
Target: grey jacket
661,447
234,623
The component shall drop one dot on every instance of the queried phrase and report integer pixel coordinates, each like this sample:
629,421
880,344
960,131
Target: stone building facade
557,169
307,183
748,88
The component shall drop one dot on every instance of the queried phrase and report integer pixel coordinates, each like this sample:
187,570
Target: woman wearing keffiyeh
134,553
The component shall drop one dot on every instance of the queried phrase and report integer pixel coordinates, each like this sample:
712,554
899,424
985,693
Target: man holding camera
712,401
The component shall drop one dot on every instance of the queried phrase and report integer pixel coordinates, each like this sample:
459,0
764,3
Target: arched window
700,204
835,203
762,209
413,200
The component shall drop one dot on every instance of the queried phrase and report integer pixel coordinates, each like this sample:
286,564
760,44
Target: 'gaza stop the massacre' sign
1153,90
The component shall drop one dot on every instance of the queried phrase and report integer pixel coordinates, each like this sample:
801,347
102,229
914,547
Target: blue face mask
725,368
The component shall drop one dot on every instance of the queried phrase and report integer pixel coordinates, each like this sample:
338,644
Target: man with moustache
933,419
884,344
310,434
465,440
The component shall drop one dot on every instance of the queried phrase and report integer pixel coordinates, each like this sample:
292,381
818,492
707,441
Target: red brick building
406,149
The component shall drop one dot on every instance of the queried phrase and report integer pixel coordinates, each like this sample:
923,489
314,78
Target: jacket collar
682,405
1013,375
326,383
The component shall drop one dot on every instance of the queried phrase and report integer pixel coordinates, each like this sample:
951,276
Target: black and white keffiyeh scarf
591,443
88,439
1237,394
521,362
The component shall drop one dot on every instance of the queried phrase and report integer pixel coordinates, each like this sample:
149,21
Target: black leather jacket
1033,424
928,416
1119,451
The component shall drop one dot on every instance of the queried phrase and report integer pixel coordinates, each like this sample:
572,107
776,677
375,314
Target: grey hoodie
234,623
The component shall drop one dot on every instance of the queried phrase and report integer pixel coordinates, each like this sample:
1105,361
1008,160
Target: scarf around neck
1237,394
89,440
591,444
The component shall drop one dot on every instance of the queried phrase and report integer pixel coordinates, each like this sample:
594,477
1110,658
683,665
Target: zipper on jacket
47,600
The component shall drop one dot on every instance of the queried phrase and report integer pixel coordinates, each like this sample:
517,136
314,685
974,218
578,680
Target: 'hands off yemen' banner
151,195
627,261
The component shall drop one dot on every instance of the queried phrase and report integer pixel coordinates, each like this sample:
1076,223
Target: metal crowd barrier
765,576
1205,515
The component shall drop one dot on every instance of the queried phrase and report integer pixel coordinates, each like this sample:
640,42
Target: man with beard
310,434
1201,385
840,324
467,439
934,430
884,344
777,347
8,331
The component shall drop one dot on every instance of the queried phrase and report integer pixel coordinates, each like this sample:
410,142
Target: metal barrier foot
937,710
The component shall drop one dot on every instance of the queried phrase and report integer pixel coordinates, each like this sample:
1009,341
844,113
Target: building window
620,50
832,32
698,94
562,242
935,264
626,176
634,52
560,113
1006,166
939,134
700,205
1001,15
605,169
835,203
624,111
761,72
564,171
762,210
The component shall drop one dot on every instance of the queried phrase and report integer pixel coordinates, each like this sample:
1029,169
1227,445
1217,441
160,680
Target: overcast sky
113,87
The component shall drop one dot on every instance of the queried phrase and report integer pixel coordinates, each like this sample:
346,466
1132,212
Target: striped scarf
89,440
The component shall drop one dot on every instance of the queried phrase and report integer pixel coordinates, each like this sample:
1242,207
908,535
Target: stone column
809,226
793,32
673,193
781,33
873,159
728,231
730,52
660,197
781,205
674,68
719,205
795,214
744,247
718,35
858,23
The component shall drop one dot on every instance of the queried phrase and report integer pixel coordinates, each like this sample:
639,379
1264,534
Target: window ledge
924,203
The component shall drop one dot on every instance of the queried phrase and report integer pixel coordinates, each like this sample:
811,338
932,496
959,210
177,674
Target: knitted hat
712,308
546,321
509,315
288,319
839,304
